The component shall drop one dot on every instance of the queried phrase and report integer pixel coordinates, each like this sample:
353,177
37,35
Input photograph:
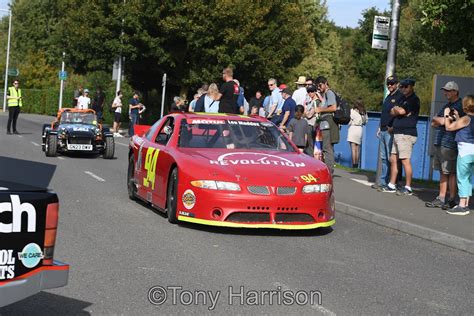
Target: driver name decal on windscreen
205,121
150,166
254,159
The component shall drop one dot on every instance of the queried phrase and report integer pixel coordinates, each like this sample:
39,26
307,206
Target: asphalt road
119,249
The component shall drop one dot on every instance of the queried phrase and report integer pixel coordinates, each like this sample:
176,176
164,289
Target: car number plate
79,147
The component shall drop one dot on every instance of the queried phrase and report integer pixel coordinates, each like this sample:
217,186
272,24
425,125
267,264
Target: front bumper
256,225
45,277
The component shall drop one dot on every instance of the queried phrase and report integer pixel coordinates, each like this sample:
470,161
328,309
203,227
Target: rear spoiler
140,130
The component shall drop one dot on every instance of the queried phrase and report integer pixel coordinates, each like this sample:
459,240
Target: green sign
62,75
14,72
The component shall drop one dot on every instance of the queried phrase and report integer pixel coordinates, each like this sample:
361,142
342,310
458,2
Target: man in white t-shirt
300,95
84,101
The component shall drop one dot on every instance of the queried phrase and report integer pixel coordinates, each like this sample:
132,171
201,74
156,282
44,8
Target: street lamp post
8,59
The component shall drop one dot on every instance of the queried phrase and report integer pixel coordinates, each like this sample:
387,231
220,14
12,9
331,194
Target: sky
348,12
342,12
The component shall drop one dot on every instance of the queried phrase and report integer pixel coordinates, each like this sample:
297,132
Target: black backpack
342,115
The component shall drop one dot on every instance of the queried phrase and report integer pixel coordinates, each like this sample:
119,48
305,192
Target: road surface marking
364,182
36,144
94,176
20,136
62,158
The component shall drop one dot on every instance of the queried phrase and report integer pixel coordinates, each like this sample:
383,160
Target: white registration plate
79,147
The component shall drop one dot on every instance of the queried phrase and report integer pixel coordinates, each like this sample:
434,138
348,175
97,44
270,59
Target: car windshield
231,134
78,118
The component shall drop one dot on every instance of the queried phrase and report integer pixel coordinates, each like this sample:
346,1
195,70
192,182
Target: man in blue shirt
385,132
404,136
445,150
275,99
288,109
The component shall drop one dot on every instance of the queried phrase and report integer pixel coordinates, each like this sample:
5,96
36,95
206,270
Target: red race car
228,170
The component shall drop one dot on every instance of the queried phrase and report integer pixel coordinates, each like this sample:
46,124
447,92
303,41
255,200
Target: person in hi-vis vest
14,105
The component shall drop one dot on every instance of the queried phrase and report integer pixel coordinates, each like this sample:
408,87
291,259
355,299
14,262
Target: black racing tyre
172,197
43,145
131,187
51,146
109,148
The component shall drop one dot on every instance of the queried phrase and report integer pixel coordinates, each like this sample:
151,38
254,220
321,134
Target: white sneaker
117,135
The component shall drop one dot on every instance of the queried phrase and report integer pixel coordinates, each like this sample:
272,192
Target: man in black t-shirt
404,136
229,93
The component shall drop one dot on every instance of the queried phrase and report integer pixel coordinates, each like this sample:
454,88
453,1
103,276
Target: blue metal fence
370,143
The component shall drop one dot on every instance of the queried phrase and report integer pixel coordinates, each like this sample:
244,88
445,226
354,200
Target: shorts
444,159
117,117
403,145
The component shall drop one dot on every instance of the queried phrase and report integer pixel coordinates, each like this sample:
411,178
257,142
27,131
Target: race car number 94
150,167
309,178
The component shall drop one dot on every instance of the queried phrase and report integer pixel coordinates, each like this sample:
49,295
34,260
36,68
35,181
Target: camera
452,115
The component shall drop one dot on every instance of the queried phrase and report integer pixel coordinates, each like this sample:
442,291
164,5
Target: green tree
447,23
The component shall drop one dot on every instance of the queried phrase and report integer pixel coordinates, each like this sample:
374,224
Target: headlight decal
216,185
317,188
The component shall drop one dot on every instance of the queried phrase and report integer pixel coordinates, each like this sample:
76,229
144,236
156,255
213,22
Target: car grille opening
286,190
245,217
292,217
260,190
79,140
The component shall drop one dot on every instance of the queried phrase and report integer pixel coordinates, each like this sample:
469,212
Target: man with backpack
329,129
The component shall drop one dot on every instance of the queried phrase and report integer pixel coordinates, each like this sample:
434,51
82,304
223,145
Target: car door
142,165
156,162
161,160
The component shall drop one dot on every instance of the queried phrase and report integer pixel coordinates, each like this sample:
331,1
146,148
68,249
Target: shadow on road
45,303
26,172
260,231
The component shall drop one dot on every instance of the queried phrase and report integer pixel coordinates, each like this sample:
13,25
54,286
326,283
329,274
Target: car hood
78,128
252,166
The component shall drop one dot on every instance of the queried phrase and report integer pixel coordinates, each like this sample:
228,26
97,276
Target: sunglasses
403,87
271,84
391,83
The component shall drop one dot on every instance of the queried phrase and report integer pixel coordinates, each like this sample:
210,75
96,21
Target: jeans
464,170
385,149
133,121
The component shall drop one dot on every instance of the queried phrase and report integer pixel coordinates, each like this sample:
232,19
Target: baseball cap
86,90
407,82
282,86
451,85
392,79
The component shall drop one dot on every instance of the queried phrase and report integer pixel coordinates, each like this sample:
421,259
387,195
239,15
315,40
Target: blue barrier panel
370,143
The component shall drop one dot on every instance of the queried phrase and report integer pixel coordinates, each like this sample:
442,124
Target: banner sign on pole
380,35
62,75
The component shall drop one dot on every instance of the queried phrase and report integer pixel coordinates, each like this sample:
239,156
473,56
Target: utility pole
163,95
61,88
7,61
391,62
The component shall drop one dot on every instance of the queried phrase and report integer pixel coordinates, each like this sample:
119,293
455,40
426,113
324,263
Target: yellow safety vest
17,94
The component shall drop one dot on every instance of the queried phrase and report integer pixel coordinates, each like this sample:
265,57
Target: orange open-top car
77,131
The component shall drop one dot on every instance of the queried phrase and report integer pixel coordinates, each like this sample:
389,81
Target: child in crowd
318,144
298,128
465,161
